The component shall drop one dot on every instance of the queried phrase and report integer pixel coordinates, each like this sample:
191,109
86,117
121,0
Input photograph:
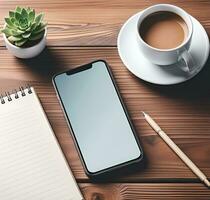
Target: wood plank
145,191
182,110
95,22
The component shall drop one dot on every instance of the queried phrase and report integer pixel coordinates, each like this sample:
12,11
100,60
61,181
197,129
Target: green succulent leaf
24,13
31,16
16,24
36,36
39,28
9,22
11,14
7,32
29,23
14,38
23,23
18,9
17,16
21,42
26,34
12,20
39,18
17,32
31,27
28,10
23,26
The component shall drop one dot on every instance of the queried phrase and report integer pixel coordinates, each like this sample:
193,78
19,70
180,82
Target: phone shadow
123,174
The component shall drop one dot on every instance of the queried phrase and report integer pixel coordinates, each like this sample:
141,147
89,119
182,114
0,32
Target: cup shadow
197,87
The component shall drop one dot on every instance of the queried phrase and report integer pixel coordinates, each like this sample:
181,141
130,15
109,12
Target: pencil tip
144,114
207,182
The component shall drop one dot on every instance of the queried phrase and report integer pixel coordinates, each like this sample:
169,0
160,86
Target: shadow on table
193,91
122,173
197,87
47,64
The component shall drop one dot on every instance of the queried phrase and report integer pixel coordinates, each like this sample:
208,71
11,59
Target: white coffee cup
167,56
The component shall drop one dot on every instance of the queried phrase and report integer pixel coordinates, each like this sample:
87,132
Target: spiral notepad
32,165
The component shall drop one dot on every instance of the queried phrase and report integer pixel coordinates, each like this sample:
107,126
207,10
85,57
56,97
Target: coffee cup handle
189,61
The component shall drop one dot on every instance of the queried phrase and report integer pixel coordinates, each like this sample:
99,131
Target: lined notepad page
32,166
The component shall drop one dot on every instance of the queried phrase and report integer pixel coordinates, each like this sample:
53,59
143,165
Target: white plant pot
28,52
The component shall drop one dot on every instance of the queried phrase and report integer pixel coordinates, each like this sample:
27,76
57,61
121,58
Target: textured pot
28,52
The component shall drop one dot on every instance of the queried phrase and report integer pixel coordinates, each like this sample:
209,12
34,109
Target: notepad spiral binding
8,97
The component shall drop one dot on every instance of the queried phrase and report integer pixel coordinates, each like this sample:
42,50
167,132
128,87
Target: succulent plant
23,27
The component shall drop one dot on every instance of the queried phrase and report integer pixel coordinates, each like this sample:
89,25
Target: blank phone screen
97,119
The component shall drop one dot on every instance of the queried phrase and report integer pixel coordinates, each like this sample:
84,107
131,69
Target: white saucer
135,61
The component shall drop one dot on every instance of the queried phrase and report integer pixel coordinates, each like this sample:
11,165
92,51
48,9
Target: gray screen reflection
97,118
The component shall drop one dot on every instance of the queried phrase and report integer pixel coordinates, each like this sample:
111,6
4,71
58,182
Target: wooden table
82,31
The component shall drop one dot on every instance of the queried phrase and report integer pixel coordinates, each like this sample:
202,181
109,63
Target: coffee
163,30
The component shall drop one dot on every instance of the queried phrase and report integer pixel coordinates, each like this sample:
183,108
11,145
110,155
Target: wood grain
183,111
95,22
80,31
145,191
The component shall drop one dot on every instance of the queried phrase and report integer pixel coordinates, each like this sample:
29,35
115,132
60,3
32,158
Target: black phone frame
115,167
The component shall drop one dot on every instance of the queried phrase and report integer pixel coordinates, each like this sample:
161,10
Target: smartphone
98,120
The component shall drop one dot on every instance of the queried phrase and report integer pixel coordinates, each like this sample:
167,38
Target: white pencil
177,150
